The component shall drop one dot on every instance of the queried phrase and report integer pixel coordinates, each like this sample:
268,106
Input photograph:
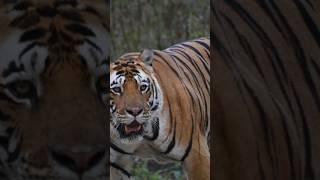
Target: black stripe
94,45
3,97
22,5
155,90
155,130
260,164
72,15
27,48
3,116
173,141
186,153
93,11
4,141
206,45
12,68
288,141
116,148
312,26
195,50
308,167
73,3
47,11
25,21
80,29
33,34
116,166
155,107
165,61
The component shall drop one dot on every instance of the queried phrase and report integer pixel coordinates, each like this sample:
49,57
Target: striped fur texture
267,90
53,71
160,107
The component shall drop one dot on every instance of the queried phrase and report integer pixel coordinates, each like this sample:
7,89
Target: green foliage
156,24
141,171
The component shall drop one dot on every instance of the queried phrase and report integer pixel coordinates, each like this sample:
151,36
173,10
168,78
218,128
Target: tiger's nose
134,111
78,161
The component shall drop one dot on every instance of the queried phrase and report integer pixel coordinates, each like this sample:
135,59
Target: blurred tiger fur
267,92
53,80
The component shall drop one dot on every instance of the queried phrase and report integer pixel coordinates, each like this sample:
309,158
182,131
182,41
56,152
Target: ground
151,170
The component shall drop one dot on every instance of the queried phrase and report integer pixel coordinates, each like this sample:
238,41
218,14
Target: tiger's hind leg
197,163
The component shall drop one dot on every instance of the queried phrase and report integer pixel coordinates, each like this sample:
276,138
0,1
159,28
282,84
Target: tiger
266,101
53,83
160,108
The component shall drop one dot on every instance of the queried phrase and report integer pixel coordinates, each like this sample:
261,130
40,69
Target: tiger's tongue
133,127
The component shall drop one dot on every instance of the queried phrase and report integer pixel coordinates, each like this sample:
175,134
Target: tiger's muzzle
133,124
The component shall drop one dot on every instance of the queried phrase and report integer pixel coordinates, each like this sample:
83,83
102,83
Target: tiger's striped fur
160,107
267,90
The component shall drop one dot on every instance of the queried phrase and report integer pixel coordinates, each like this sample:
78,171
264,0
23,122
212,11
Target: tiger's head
136,98
53,83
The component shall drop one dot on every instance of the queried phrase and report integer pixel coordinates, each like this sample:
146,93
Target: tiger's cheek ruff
17,166
10,144
155,104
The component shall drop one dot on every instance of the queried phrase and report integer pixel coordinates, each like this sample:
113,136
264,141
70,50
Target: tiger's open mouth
130,130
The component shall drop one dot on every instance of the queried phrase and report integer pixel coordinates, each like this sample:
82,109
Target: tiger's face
55,126
53,79
135,98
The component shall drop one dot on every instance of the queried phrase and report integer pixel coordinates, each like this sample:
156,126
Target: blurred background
140,24
154,24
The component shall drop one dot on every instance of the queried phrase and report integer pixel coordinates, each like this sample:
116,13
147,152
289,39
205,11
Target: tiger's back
190,62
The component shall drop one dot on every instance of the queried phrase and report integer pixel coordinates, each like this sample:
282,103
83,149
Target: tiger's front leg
119,171
120,166
197,163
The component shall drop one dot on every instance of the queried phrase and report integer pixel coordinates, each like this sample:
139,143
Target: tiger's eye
116,89
143,87
22,89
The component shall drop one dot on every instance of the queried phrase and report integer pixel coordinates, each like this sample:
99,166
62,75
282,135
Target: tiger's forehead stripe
116,79
127,65
33,45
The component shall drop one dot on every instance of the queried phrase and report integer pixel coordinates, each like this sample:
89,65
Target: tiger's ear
147,56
